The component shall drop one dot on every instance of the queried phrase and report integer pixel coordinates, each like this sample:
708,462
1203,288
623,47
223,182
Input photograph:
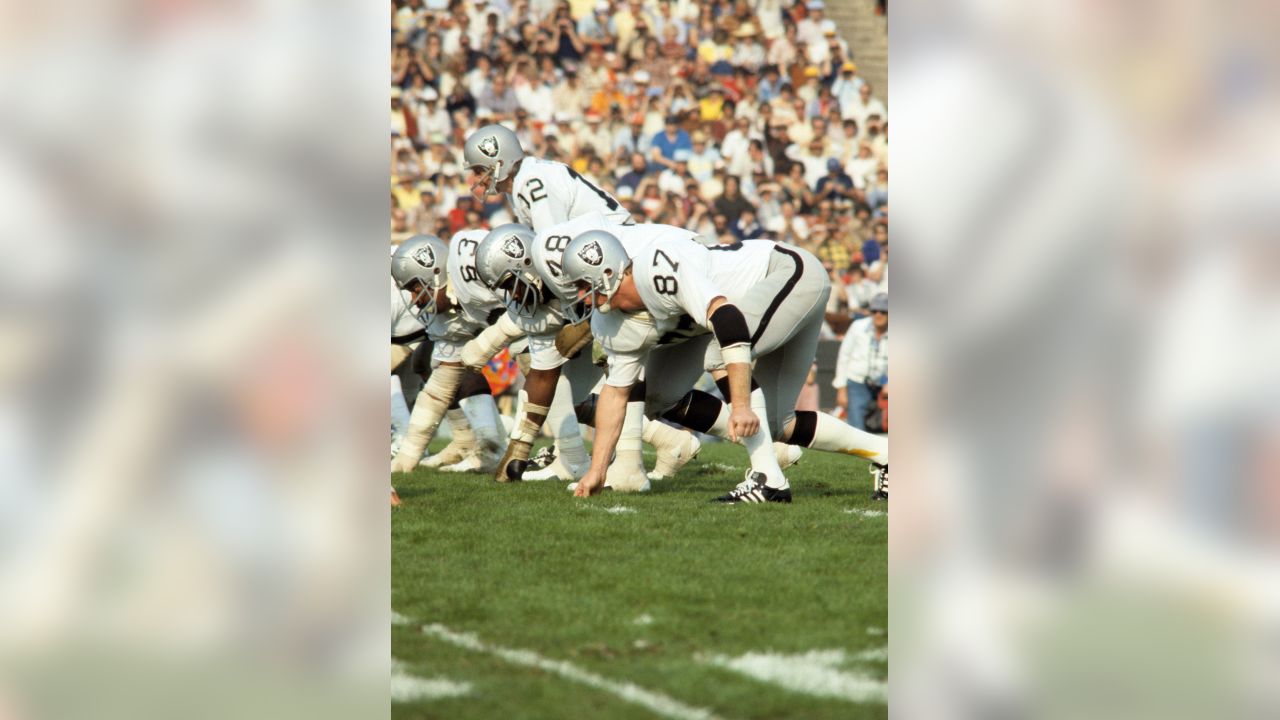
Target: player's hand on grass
590,484
742,423
403,464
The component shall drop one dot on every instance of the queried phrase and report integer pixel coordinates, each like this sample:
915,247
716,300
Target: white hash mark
654,701
814,673
408,688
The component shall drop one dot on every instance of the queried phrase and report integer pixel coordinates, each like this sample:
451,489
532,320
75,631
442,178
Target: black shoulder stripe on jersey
782,294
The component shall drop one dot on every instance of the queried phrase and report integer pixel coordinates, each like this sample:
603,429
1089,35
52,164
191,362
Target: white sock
460,426
522,397
760,446
563,424
399,408
482,412
834,435
720,428
629,442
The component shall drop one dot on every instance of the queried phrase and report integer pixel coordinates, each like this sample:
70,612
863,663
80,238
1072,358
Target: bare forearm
739,384
540,388
611,408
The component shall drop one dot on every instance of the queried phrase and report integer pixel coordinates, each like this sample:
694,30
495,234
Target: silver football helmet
597,259
495,150
420,267
504,261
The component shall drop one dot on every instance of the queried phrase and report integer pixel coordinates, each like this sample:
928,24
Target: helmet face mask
505,265
596,259
419,267
521,292
422,297
576,310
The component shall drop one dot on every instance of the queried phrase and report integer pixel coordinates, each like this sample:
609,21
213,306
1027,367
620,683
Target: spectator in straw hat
748,53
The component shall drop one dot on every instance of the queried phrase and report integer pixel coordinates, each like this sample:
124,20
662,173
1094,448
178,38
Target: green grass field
521,601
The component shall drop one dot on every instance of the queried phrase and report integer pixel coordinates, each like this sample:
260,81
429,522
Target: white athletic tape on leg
481,349
428,411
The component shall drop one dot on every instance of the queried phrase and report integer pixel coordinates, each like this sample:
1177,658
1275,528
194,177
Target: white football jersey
465,288
546,193
474,303
627,338
677,278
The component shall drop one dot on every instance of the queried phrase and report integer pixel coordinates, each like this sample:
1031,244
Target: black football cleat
753,490
881,475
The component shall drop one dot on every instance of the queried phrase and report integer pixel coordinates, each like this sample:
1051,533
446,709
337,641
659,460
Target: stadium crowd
735,119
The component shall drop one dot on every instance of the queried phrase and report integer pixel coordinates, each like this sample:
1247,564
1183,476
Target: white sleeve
624,369
695,291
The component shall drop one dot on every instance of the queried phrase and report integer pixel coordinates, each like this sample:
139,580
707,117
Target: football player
763,304
461,314
505,261
675,447
541,192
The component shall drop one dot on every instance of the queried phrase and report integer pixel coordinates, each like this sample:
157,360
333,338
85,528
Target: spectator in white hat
596,135
862,362
809,30
703,157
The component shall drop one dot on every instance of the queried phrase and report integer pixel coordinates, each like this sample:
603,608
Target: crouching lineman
457,310
762,302
525,270
507,260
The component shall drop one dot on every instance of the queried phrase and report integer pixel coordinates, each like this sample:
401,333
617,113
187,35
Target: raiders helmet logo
592,254
513,248
489,146
425,257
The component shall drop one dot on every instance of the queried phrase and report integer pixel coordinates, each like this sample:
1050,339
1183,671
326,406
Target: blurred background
1087,504
192,522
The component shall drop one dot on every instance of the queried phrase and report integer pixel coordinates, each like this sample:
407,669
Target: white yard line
408,688
864,513
653,701
398,619
814,673
619,510
724,468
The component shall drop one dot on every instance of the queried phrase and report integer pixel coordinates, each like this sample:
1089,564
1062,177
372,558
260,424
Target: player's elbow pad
731,332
